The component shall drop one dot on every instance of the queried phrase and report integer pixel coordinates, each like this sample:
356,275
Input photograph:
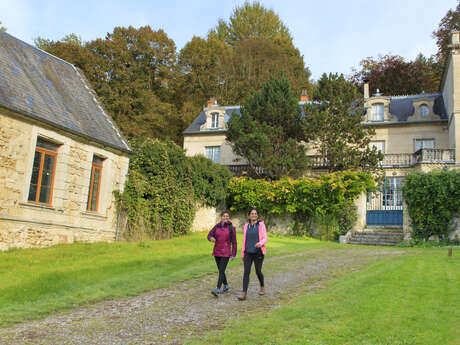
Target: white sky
333,36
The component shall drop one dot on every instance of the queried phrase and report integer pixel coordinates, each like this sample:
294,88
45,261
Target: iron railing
399,160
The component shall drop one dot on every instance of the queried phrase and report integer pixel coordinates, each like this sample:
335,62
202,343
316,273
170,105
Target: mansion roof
48,89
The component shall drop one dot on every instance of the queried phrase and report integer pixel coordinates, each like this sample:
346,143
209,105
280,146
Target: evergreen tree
269,131
333,126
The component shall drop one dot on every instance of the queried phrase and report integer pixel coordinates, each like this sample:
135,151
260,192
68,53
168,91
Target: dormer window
423,110
215,120
377,112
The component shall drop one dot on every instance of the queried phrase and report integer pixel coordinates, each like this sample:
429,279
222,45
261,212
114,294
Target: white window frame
213,153
424,143
379,145
214,120
378,116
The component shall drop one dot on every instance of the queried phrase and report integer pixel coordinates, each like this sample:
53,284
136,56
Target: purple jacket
221,233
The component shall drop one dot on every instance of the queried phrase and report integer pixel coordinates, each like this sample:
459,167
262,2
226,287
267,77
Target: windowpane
47,179
94,184
424,144
34,178
377,112
379,145
215,120
213,153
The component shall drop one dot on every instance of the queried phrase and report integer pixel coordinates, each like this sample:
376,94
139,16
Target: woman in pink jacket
253,250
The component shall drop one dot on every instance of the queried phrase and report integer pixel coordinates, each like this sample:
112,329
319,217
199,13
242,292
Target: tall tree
392,75
239,55
269,130
450,22
251,20
333,126
2,28
131,70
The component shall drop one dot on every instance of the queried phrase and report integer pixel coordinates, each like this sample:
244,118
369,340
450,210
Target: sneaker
215,292
226,289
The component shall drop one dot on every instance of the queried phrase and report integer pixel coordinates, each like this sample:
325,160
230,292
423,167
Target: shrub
328,199
432,200
209,180
163,187
158,199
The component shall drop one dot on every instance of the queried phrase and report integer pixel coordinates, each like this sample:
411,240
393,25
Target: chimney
366,89
304,96
211,103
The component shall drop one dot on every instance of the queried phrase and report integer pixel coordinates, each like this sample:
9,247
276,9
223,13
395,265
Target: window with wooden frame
95,184
43,170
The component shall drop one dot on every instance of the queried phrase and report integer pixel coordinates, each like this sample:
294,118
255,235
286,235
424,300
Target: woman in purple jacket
223,235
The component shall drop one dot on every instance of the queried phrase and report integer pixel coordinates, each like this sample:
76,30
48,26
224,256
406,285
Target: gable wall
23,224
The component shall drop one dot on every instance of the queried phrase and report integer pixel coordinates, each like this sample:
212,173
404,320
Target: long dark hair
230,228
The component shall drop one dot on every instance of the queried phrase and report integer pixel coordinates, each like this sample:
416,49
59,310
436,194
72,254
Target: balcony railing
396,160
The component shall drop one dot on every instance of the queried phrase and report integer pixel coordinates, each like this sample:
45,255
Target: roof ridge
415,95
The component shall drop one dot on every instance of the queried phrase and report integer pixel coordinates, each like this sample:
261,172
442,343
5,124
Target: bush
432,201
327,199
163,187
209,180
158,199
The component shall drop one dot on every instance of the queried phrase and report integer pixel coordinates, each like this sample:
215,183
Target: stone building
61,155
415,132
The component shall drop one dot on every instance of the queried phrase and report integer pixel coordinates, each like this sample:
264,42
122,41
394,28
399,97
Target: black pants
221,263
258,259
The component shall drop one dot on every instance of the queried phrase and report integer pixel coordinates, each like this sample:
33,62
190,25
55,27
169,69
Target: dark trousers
258,259
221,263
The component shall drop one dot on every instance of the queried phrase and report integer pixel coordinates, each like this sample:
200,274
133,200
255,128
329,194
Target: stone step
396,236
374,243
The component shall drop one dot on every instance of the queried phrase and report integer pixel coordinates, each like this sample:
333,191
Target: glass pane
34,178
47,178
95,186
46,144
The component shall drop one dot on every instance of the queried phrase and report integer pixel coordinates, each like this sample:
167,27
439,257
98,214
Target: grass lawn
410,299
36,282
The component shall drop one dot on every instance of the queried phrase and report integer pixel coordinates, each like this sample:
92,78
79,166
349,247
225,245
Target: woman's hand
232,257
212,239
258,245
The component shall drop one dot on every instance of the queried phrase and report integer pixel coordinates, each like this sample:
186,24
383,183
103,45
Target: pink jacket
262,237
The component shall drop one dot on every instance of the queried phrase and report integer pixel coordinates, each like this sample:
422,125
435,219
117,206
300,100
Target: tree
2,28
269,130
394,76
240,55
333,126
450,22
251,20
131,71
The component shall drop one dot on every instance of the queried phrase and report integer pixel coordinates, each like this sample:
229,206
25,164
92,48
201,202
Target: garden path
169,315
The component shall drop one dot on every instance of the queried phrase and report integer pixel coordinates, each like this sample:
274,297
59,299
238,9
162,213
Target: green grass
36,282
411,299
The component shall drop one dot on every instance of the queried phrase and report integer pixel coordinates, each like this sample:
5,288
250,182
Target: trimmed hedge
432,200
328,198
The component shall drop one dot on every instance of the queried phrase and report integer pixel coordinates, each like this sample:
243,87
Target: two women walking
253,250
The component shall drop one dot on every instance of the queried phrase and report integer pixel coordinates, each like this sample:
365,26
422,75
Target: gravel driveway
169,315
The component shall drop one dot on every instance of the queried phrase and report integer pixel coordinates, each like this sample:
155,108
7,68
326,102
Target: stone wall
65,220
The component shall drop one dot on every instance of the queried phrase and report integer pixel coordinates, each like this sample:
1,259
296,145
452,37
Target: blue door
385,207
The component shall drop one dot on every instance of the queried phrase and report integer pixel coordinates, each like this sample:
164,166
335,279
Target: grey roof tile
48,89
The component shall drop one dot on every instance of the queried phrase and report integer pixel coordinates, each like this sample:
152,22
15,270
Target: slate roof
48,89
402,106
201,119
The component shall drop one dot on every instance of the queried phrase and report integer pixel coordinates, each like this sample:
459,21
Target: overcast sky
333,36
